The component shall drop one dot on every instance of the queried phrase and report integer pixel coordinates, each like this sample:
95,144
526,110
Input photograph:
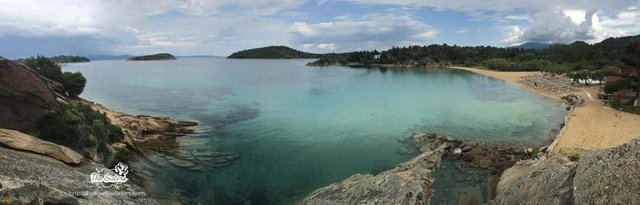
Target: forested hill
273,52
564,58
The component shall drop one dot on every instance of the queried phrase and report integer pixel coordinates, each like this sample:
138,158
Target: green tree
73,83
632,59
45,67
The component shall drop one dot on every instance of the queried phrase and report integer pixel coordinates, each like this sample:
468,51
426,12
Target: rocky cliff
25,97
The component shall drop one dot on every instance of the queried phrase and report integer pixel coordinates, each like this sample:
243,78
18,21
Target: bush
617,86
45,67
498,64
73,83
61,127
65,127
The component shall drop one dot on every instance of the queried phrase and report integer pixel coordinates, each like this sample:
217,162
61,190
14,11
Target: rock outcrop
537,182
408,183
18,140
25,97
27,178
497,157
606,176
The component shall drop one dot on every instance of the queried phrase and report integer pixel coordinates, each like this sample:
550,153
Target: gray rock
50,175
537,182
608,176
408,183
455,154
15,191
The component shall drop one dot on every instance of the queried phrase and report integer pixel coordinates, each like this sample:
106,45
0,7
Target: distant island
273,52
154,57
70,59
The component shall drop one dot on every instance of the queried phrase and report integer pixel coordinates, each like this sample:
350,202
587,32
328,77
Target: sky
221,27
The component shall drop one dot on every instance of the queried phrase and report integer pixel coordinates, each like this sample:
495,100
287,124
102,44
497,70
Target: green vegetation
557,58
273,52
69,59
632,59
80,127
73,83
159,56
44,66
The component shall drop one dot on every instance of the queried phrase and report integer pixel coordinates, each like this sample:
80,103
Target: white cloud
143,26
369,32
549,20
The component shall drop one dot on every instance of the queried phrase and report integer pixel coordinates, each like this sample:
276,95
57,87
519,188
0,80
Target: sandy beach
593,126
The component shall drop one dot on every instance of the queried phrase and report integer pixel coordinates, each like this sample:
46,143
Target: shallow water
298,128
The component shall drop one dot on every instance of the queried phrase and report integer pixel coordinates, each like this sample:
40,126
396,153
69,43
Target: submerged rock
408,183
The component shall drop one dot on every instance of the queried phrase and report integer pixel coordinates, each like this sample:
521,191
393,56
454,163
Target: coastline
589,127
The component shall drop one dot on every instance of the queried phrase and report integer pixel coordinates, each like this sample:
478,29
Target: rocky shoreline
518,175
36,171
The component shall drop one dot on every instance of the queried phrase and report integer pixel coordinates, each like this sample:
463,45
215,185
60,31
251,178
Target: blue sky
220,27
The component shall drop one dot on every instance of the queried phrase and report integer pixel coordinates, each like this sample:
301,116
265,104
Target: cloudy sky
220,27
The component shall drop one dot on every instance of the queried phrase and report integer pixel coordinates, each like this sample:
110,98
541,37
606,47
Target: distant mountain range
273,52
532,45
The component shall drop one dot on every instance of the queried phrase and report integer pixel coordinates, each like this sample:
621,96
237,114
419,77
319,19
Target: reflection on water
297,128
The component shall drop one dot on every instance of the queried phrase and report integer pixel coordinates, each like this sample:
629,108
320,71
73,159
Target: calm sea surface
298,128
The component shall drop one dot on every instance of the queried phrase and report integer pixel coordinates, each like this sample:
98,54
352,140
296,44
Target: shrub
73,83
617,86
65,127
61,127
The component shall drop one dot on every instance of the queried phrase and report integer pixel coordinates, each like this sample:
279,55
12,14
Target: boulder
18,140
408,183
25,97
574,100
455,154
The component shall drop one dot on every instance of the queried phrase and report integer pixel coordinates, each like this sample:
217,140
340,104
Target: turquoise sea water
298,128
